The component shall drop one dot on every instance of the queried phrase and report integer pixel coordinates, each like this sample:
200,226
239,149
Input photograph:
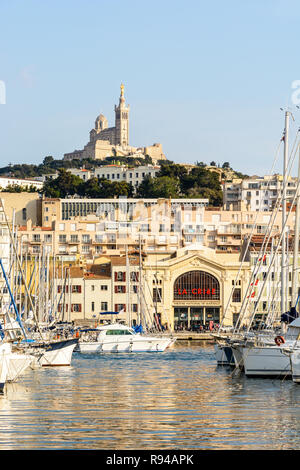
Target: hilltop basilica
114,141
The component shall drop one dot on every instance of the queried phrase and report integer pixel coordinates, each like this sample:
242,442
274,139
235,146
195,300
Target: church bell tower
122,121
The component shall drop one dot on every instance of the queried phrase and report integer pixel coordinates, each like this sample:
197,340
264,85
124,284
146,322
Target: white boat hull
58,353
12,364
295,365
4,352
266,361
136,344
238,356
17,364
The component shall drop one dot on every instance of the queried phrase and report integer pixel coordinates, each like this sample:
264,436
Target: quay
193,336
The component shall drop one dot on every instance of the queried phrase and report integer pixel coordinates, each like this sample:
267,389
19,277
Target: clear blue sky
205,78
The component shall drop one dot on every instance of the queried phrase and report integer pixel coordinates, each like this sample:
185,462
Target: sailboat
40,345
264,353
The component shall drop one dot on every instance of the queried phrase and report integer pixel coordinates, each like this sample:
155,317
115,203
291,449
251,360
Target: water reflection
178,399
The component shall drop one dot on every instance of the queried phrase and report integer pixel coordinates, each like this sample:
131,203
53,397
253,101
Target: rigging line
256,269
290,160
272,261
273,214
249,240
150,316
294,199
20,267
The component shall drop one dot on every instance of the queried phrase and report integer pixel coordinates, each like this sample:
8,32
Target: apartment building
87,228
23,182
257,193
95,291
134,175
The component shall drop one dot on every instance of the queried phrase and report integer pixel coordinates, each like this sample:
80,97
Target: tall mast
283,244
296,239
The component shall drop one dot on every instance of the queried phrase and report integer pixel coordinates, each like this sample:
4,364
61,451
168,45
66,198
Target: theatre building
195,285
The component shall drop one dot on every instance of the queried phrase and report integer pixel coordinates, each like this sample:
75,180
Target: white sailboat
47,351
266,355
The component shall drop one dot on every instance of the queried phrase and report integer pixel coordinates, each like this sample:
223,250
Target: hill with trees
174,180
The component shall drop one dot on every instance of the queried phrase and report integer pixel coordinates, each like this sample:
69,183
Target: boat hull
125,345
58,353
295,365
238,356
266,361
223,354
17,364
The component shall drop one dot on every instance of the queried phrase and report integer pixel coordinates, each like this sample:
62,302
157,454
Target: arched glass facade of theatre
196,300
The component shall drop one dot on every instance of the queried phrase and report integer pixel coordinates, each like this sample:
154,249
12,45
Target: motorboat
117,337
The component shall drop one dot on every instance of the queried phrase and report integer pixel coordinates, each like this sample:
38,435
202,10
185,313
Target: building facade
256,194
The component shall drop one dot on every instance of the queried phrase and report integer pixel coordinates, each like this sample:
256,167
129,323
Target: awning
109,313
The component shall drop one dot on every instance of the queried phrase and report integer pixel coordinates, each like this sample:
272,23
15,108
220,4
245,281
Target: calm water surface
178,399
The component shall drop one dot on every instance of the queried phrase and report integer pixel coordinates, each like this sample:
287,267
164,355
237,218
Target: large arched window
196,285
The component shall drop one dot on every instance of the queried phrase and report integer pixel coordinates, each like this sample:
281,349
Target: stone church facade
114,141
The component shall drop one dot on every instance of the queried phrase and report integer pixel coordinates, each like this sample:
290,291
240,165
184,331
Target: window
24,213
118,332
134,276
120,289
76,289
119,307
236,296
103,287
93,306
76,307
104,306
120,276
157,292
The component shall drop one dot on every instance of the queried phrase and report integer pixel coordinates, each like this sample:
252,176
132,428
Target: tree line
172,181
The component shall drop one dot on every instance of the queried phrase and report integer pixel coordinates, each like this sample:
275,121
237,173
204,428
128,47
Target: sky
205,79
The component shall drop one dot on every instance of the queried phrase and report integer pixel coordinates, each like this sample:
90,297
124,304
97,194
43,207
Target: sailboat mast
296,240
283,244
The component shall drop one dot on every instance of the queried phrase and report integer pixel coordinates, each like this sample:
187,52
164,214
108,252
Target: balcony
73,241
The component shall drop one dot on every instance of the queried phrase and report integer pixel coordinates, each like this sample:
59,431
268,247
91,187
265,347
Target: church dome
101,118
101,122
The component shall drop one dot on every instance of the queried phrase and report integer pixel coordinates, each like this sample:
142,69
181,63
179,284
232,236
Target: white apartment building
257,193
110,172
8,181
122,173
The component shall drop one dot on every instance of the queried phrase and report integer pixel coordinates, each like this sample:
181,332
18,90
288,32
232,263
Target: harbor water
179,399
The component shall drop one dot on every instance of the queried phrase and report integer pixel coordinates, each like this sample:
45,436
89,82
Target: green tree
163,186
64,185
